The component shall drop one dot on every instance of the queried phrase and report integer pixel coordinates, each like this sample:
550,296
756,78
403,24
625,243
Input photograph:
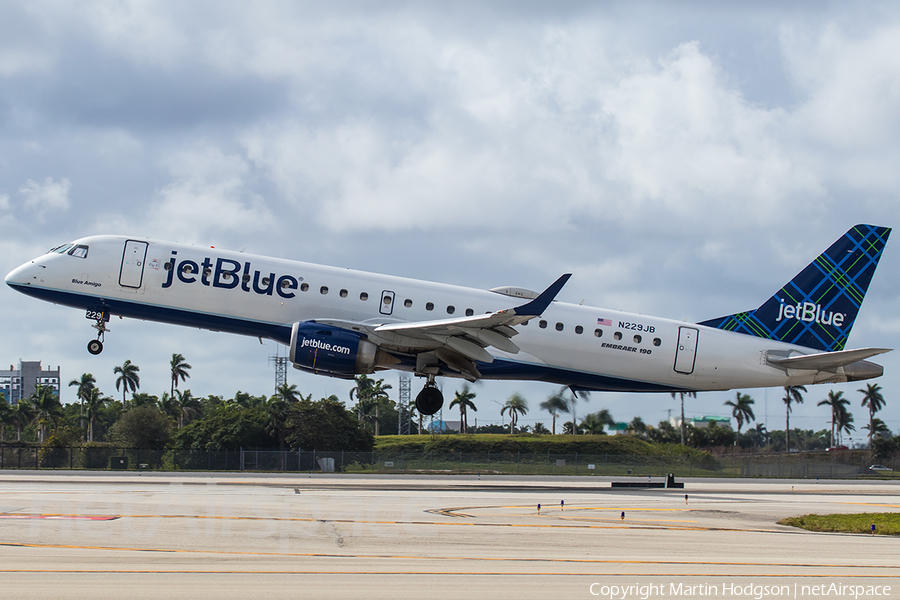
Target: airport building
16,384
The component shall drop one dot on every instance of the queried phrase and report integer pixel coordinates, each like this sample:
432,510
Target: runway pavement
238,535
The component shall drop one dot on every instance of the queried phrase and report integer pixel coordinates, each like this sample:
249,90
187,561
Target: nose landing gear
430,399
95,347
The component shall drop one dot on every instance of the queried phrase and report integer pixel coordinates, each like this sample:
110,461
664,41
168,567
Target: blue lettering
231,280
286,282
187,266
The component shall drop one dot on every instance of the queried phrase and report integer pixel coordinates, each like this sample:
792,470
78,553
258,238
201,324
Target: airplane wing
460,342
826,361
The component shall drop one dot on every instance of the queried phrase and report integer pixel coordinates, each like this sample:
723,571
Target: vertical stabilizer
818,307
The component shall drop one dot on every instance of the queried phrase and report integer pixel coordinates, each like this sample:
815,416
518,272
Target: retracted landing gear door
132,272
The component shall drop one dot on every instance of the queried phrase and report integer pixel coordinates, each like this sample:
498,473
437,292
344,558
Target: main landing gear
430,399
95,347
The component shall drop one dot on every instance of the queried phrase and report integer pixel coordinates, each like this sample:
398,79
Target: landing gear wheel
430,400
95,347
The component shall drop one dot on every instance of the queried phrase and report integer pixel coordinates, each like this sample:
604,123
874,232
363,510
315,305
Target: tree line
179,420
287,419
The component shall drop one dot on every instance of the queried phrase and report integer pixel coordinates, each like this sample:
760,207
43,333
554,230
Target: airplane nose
23,275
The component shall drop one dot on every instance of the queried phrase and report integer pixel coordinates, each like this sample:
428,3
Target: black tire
429,401
95,347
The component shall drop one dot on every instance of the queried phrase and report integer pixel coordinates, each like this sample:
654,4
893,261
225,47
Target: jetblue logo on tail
810,313
818,307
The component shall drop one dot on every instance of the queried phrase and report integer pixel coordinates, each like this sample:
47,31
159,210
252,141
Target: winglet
537,306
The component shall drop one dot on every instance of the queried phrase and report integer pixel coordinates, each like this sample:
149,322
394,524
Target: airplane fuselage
584,347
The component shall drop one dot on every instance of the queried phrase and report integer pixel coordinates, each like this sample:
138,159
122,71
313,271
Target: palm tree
637,427
873,399
556,405
683,424
185,406
836,402
85,385
22,414
179,370
741,410
516,405
792,394
463,400
540,428
128,378
369,394
94,403
844,423
878,428
47,407
594,423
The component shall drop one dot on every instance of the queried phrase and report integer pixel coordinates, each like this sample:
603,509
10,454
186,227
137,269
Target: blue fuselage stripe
499,369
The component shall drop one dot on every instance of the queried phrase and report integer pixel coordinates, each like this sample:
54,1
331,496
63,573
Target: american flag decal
606,322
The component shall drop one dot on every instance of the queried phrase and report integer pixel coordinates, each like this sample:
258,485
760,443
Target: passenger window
598,333
407,303
637,339
386,300
451,310
429,306
469,312
343,293
618,335
579,329
322,290
657,341
79,251
543,324
364,296
304,287
266,280
559,326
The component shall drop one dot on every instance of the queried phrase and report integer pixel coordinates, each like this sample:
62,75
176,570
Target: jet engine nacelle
328,350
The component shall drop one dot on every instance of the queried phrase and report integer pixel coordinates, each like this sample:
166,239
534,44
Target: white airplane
341,323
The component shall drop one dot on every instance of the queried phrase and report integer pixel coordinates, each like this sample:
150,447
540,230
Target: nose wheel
95,347
430,399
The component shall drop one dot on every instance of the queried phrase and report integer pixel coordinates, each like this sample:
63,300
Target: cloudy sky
682,160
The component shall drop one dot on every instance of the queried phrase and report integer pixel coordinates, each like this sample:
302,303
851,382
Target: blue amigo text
229,274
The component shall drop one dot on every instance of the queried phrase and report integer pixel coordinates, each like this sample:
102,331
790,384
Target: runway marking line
435,523
596,561
394,573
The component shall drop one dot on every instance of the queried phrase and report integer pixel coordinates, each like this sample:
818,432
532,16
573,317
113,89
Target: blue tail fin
818,307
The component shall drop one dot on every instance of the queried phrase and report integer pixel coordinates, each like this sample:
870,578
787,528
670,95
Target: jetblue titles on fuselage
229,274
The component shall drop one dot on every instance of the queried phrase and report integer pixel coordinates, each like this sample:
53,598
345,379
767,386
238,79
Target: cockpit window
79,251
60,249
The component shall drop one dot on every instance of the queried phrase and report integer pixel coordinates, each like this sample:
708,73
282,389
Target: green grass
885,523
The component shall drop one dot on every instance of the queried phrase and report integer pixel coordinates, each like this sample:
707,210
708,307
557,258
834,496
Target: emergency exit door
132,272
686,353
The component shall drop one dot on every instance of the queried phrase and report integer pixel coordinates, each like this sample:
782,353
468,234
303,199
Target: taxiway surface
102,535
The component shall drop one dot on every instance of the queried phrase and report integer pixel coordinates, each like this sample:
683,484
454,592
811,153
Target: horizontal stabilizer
826,361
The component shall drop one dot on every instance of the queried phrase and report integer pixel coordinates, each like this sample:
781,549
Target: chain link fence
849,465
